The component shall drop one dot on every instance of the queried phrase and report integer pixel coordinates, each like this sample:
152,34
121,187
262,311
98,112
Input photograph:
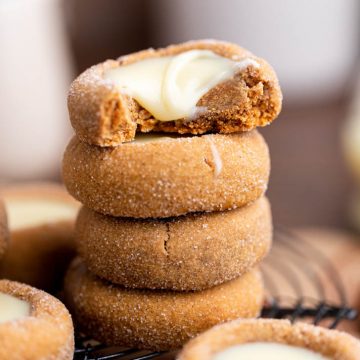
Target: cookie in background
351,145
41,220
4,231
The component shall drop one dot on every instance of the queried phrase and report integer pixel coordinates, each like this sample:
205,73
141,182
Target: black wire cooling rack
301,283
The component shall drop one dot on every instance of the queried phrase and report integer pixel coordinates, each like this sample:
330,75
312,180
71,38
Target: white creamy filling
267,351
169,87
25,213
12,308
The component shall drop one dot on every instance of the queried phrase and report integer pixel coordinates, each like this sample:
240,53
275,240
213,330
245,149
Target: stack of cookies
172,173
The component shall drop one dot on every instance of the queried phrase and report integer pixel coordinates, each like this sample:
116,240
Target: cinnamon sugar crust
171,177
333,344
102,115
47,333
191,252
156,319
4,232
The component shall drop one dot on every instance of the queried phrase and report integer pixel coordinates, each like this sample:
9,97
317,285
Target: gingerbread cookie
255,339
163,176
41,222
158,320
33,324
192,252
4,232
190,88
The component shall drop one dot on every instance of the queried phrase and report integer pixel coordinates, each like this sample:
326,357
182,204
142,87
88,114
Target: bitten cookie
163,177
41,222
158,320
33,324
192,252
105,112
224,341
4,232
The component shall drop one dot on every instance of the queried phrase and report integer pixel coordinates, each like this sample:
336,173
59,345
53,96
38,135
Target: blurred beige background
313,45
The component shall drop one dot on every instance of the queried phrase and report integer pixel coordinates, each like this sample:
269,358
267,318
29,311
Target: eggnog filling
267,351
12,308
25,213
169,87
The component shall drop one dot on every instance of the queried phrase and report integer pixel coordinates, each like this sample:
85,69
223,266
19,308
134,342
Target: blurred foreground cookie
33,324
192,252
162,176
4,232
41,221
190,88
275,339
158,320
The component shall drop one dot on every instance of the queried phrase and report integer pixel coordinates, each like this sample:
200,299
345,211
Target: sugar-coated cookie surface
45,333
4,232
168,177
158,320
331,344
191,252
102,114
41,220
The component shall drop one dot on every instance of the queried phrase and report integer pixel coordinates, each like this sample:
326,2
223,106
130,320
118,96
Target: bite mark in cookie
106,106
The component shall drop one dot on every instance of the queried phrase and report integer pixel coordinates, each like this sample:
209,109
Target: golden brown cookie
103,115
4,232
41,222
331,343
150,319
166,177
33,324
192,252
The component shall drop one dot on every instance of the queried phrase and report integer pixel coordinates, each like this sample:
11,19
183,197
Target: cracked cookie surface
191,252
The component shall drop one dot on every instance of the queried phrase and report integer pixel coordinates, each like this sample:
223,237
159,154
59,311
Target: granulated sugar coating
4,232
156,320
102,114
47,333
170,177
332,344
190,252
